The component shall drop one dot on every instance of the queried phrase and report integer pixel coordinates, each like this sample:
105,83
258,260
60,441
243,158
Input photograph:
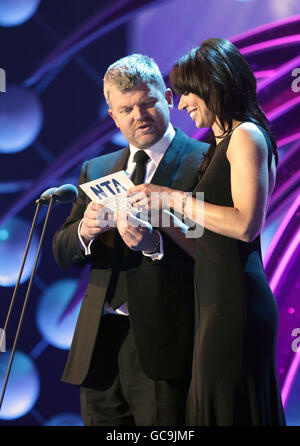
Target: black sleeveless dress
234,379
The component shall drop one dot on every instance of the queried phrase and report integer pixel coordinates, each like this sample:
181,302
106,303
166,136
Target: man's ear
111,114
169,97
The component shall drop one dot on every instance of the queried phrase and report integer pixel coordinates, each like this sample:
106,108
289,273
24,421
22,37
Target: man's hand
137,234
96,220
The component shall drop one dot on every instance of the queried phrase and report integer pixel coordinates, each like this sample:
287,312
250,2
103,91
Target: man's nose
181,103
139,113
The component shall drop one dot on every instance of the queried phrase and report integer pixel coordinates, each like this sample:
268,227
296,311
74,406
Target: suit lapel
168,166
121,161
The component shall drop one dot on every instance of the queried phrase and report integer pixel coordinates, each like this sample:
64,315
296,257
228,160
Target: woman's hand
151,197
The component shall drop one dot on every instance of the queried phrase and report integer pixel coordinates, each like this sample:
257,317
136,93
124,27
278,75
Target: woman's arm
247,154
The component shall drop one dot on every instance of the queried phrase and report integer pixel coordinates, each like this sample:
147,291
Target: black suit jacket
159,295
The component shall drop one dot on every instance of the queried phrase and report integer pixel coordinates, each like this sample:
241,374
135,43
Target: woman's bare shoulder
247,138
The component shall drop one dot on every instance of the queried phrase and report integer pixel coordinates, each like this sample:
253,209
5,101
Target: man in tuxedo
131,352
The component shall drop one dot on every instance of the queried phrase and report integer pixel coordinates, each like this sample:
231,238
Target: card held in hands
110,191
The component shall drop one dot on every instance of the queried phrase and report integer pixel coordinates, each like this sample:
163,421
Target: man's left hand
136,233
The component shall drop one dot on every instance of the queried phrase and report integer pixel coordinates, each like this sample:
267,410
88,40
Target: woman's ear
169,97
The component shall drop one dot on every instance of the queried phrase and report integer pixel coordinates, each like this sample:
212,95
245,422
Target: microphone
45,197
65,194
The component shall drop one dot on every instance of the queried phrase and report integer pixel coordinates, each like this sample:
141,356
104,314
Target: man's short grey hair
127,72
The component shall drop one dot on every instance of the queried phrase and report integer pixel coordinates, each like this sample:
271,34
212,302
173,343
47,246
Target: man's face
141,113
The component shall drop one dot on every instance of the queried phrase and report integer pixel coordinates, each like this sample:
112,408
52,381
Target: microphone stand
51,201
21,269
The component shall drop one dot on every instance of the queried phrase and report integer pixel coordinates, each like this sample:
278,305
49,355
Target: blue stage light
54,325
21,119
23,386
15,12
65,419
119,139
4,234
13,236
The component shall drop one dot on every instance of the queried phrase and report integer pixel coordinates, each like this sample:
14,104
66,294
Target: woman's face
196,108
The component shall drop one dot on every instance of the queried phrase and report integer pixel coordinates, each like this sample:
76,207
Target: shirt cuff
86,248
157,255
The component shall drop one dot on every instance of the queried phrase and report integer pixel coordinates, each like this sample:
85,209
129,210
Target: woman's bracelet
183,203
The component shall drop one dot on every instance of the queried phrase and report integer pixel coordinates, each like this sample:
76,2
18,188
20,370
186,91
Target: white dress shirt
155,153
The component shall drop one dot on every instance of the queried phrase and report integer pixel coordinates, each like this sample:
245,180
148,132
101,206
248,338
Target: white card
110,191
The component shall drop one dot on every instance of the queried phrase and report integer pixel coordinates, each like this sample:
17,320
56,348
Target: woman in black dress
234,379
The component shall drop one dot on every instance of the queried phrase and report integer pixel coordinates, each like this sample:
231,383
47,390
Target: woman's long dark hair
218,73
